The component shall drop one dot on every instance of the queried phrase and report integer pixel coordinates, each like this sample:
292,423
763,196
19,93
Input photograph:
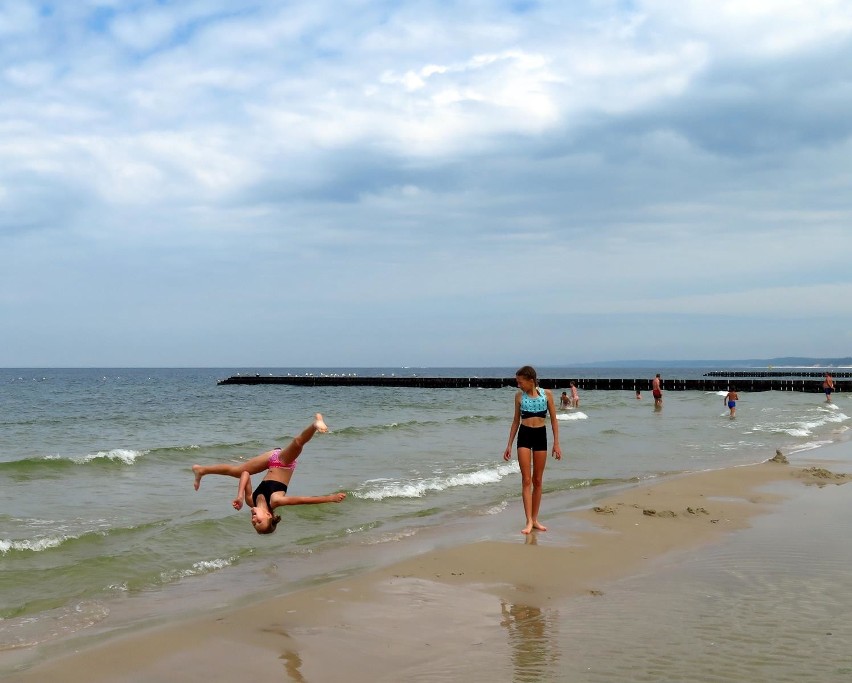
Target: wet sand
491,610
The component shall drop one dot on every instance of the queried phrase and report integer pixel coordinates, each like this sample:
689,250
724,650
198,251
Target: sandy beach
503,611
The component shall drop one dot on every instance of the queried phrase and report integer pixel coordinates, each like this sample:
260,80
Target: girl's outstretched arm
312,500
243,492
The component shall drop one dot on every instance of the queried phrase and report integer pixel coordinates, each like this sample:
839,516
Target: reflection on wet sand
293,666
533,638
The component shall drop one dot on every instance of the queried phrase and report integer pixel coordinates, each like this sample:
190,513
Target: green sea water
101,530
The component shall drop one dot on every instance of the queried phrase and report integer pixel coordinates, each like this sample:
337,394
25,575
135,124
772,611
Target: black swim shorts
534,438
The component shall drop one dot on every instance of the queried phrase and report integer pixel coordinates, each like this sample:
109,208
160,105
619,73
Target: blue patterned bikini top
534,407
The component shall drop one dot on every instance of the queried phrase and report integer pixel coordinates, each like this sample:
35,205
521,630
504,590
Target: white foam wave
809,446
572,416
418,489
34,545
125,455
497,509
804,427
203,567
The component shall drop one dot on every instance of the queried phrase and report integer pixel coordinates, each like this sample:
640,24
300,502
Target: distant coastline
783,362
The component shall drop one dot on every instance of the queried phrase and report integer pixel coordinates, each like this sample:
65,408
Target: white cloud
764,27
433,160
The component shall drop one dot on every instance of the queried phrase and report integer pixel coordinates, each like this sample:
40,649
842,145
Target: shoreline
471,589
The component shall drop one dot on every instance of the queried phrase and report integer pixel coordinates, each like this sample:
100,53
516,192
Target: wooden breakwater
618,384
775,373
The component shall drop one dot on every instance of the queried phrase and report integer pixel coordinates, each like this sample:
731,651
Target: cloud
453,167
769,28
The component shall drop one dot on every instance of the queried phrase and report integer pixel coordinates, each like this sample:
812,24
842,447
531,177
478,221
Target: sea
102,532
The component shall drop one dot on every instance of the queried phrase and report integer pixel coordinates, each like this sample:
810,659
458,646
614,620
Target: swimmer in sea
731,399
279,465
828,387
657,391
575,396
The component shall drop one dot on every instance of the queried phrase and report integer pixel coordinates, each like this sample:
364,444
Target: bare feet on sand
538,526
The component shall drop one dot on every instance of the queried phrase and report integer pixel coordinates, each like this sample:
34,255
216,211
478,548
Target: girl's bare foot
527,529
538,526
319,423
198,475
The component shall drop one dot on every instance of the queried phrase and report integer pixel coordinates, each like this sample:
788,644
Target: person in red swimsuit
657,391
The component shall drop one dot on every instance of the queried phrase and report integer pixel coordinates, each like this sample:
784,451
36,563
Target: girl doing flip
271,493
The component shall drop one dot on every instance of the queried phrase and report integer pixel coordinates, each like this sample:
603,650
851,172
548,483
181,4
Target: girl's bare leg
539,461
253,466
294,448
524,460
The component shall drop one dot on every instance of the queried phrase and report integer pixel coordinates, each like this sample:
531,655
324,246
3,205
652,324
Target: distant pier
776,373
744,384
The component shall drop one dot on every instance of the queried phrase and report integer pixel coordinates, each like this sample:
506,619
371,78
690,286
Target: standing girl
271,493
532,404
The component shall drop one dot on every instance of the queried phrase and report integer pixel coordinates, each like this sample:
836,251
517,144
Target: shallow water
100,526
765,604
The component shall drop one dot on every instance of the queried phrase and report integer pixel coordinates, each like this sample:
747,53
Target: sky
216,183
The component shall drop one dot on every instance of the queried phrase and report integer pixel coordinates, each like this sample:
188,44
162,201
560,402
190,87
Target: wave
121,456
44,543
128,456
572,416
368,430
381,489
27,631
573,484
118,457
391,536
251,448
471,419
364,431
197,569
36,545
809,446
803,428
